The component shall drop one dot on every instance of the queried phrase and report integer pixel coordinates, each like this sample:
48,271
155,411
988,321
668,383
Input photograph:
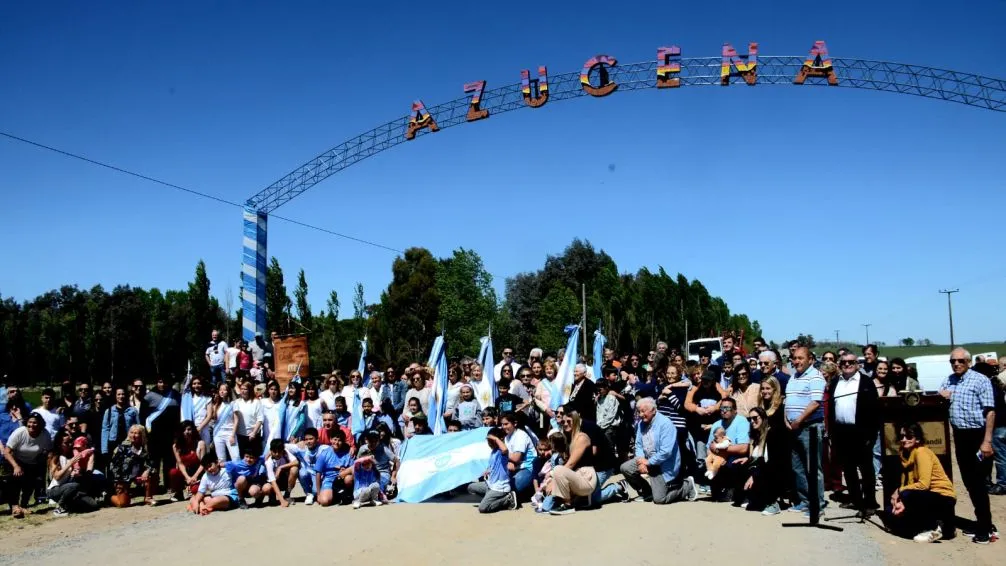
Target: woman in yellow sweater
924,504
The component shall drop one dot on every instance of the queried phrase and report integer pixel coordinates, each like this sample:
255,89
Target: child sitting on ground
367,483
552,453
714,462
216,490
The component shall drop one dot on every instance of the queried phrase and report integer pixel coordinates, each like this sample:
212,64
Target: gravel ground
441,533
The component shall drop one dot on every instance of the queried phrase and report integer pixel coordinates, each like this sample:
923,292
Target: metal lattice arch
941,84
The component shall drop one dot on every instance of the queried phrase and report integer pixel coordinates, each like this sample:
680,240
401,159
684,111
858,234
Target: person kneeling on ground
655,470
367,483
924,504
216,491
281,469
248,475
333,467
131,464
495,491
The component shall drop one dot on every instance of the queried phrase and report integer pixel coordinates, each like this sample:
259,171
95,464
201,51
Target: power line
214,198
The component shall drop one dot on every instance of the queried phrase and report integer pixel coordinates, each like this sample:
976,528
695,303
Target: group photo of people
657,428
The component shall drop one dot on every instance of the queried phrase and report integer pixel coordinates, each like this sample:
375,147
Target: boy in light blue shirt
496,492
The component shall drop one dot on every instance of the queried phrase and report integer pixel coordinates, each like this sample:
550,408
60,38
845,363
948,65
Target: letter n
535,91
668,66
420,119
747,65
474,111
817,65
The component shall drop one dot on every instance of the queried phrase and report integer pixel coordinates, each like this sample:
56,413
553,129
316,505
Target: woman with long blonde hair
576,477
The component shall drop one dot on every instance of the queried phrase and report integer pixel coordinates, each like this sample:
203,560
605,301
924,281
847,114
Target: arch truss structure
601,75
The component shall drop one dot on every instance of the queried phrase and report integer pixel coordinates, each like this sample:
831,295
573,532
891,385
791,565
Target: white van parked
714,345
933,370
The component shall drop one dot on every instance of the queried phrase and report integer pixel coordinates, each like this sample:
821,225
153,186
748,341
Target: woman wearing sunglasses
924,504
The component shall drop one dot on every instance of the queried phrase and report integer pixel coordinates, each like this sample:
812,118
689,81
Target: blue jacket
665,454
109,427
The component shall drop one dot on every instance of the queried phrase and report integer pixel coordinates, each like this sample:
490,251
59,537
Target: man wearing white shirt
53,420
854,427
216,358
507,359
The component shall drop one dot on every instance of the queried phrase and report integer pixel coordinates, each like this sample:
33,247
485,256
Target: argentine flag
599,341
485,390
564,381
435,464
438,397
362,365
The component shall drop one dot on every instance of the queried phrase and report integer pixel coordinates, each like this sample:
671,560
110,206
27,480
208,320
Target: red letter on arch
535,91
474,112
747,65
668,66
606,86
818,64
420,119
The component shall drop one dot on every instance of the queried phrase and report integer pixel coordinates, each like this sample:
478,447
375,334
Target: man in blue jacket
656,469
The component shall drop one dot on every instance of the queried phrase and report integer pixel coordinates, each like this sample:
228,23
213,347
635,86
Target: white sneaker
309,500
59,512
929,536
356,505
693,492
378,503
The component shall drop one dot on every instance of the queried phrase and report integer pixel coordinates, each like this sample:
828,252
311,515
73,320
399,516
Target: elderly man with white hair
655,472
768,366
583,394
972,416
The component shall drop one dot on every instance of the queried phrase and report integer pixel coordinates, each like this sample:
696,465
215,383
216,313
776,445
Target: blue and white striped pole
255,264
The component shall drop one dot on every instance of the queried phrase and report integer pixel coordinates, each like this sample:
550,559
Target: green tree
908,342
300,296
404,325
559,308
359,304
277,301
202,317
467,300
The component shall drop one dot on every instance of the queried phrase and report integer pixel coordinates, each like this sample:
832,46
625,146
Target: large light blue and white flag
434,464
564,381
438,397
599,341
362,365
485,390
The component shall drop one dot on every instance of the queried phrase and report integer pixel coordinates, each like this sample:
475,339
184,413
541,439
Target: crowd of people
737,427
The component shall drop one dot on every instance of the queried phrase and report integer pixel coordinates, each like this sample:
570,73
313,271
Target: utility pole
583,319
867,326
950,312
837,343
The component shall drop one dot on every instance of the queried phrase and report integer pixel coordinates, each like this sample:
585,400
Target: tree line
133,332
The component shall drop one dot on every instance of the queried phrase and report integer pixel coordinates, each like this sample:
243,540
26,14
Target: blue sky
719,184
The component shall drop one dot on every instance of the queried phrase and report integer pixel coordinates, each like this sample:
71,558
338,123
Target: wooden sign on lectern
932,412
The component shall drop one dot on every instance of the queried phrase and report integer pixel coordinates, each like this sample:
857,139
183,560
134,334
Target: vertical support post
253,270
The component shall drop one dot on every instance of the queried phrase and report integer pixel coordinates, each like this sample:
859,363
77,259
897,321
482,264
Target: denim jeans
801,464
876,457
999,446
606,493
522,481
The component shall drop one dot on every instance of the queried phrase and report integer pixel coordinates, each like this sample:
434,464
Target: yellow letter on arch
606,86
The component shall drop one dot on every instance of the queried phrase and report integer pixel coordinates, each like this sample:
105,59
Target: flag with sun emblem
438,397
485,389
564,381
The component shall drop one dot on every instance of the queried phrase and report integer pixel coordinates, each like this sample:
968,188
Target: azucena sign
595,80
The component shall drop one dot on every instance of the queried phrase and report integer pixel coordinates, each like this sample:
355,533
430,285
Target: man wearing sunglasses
972,416
853,411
